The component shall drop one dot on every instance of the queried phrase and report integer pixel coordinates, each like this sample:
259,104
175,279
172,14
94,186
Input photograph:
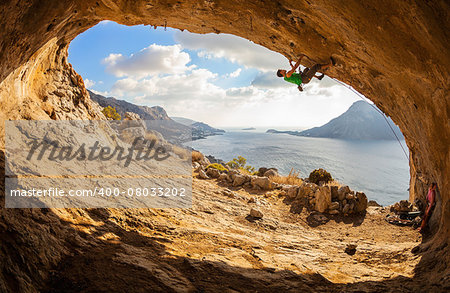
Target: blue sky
222,80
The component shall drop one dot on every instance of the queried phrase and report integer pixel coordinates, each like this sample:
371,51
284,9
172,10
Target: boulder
255,213
232,173
306,190
202,174
349,196
261,182
402,206
270,173
213,173
239,180
342,192
333,212
334,206
352,207
361,202
373,203
292,191
223,177
262,170
195,165
276,185
228,193
334,192
345,209
322,199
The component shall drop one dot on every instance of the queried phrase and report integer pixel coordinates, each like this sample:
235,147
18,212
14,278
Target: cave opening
368,42
229,82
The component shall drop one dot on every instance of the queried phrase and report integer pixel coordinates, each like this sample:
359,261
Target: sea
380,169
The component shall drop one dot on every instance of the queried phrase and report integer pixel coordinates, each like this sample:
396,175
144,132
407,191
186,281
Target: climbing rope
376,109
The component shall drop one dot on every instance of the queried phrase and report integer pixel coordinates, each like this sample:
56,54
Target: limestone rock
255,213
292,192
342,192
261,182
231,174
334,206
270,173
373,203
306,190
323,199
228,193
239,180
346,209
202,174
35,39
361,202
334,192
213,173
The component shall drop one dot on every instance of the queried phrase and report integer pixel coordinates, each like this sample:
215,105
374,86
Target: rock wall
393,52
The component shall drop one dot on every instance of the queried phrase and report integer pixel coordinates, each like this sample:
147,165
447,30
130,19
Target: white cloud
160,75
89,83
153,60
190,85
234,48
234,74
105,93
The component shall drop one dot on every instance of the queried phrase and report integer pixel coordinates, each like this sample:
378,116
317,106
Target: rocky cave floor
216,246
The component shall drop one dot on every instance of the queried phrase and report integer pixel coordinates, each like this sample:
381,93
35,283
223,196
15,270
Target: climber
431,202
305,76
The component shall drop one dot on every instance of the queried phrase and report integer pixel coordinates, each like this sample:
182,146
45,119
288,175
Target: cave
395,53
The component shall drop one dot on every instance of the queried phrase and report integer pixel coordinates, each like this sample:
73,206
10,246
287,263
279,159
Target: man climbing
431,201
305,76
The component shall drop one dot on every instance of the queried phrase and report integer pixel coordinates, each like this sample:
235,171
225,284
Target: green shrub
111,113
217,166
240,163
320,175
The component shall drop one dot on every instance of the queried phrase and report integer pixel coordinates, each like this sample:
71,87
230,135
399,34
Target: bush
111,113
320,175
239,164
197,156
217,166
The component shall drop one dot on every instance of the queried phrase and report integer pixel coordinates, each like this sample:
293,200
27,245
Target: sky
219,79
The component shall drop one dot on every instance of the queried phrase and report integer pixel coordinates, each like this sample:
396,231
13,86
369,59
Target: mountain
146,113
199,129
171,130
182,120
179,126
360,122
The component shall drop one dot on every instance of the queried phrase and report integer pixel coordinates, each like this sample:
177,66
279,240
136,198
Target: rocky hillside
146,113
199,129
359,122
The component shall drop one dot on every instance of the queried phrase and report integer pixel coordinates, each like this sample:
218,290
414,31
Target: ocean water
378,168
